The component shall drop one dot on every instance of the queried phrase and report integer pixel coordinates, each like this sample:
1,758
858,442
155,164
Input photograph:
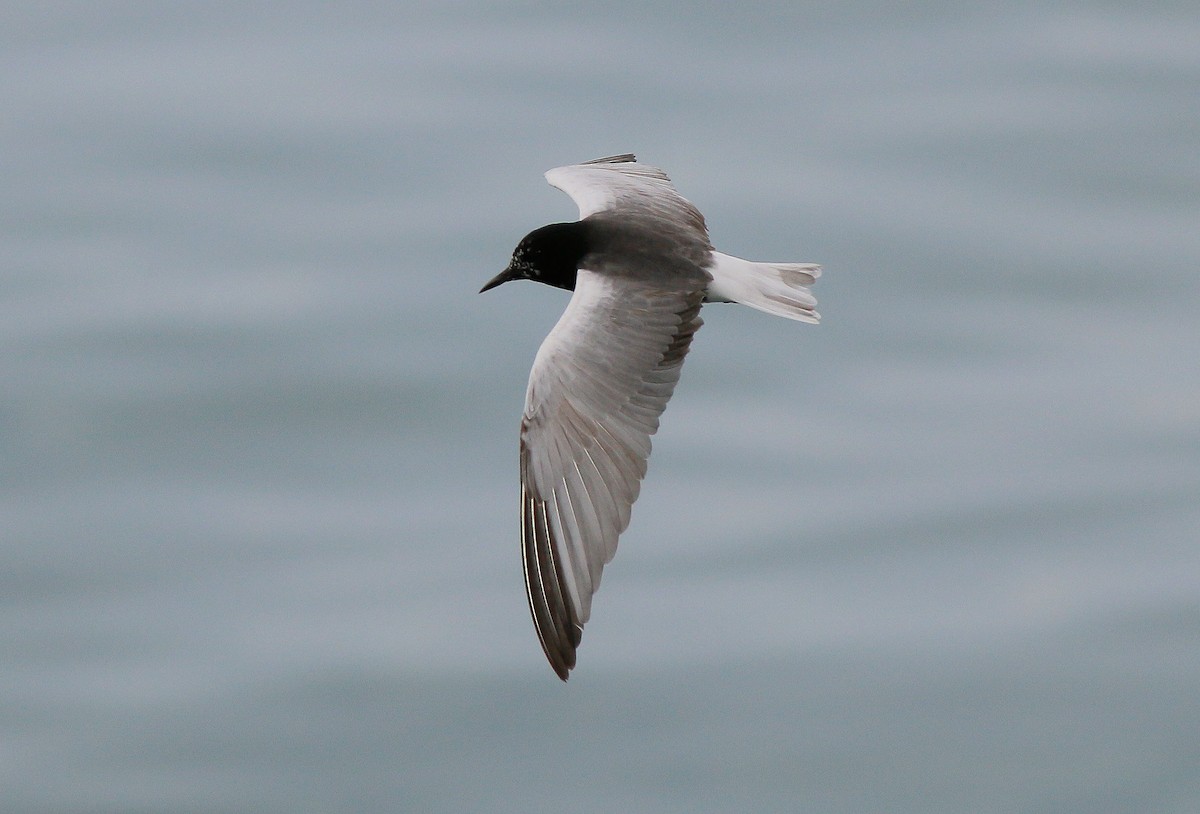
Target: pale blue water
258,433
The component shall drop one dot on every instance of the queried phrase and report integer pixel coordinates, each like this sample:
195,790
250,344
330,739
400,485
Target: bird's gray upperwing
600,381
620,183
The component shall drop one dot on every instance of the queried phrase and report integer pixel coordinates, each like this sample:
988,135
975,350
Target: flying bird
640,265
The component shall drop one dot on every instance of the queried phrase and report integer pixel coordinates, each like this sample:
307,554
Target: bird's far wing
600,381
619,182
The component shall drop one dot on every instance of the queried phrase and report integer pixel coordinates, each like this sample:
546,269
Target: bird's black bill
502,277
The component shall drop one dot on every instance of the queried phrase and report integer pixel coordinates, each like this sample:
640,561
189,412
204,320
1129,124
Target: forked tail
777,288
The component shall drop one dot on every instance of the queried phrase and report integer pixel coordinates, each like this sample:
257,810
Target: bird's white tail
777,288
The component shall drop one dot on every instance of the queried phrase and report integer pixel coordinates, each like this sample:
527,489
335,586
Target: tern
640,264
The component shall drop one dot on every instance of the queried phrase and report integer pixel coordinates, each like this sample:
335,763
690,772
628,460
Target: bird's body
641,265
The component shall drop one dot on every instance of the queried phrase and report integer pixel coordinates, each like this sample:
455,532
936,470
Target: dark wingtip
562,659
623,158
550,605
563,667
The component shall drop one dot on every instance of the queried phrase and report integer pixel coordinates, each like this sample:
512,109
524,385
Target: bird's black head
548,255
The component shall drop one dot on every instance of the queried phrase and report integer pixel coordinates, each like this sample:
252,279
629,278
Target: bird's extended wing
619,182
599,384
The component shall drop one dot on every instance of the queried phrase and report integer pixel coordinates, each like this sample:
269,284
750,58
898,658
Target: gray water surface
258,432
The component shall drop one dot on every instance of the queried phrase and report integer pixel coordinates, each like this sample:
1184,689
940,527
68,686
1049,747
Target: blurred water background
258,543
